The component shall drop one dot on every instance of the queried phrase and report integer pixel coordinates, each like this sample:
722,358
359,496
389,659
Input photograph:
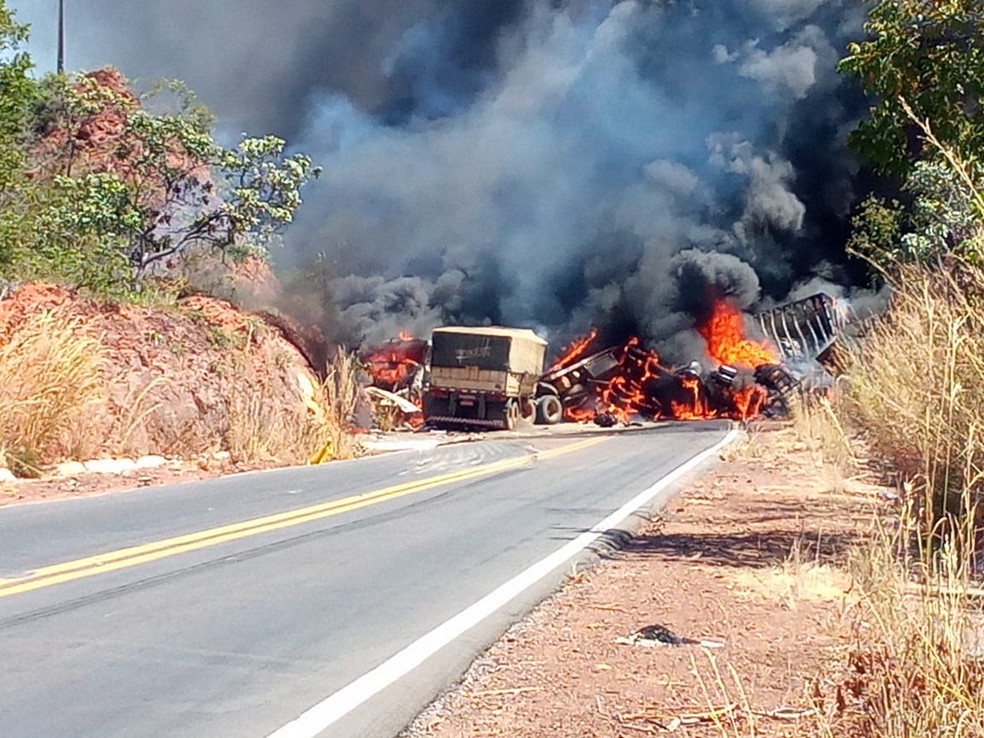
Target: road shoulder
751,557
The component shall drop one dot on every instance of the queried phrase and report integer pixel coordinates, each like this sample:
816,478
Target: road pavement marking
336,706
134,555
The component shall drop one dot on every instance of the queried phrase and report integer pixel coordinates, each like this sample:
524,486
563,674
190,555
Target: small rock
150,462
6,475
70,468
221,455
109,466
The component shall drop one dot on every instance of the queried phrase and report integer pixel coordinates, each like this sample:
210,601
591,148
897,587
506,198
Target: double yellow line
135,555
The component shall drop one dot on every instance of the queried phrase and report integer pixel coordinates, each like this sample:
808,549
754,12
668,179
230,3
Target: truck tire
549,410
511,413
527,409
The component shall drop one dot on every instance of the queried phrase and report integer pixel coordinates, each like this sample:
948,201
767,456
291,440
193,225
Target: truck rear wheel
549,410
512,414
527,409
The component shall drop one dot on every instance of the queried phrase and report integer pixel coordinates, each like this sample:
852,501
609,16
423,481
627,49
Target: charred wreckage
493,377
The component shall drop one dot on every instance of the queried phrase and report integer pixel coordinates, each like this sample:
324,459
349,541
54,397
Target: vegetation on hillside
100,191
916,384
127,198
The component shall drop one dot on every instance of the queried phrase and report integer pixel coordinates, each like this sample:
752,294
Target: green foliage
924,64
16,95
262,190
929,54
941,221
107,191
875,229
16,90
174,188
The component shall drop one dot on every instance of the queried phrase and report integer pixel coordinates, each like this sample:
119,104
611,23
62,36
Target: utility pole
61,36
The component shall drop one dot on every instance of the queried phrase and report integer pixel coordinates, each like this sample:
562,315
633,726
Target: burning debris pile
616,384
396,370
737,377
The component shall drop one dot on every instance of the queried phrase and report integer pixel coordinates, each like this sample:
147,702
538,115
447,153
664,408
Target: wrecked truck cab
567,386
483,377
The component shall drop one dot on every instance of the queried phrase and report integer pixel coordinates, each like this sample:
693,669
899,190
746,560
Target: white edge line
336,706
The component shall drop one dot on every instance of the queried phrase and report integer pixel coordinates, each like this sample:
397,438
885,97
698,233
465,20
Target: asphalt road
333,600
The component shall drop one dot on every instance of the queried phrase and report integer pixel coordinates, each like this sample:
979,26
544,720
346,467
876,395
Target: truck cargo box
482,376
517,350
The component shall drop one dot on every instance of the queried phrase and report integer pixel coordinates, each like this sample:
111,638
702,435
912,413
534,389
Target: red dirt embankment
194,378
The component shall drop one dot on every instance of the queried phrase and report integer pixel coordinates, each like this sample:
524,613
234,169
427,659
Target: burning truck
492,377
619,383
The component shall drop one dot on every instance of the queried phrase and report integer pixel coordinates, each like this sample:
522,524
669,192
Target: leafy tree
180,189
102,189
16,96
928,54
940,221
122,193
16,91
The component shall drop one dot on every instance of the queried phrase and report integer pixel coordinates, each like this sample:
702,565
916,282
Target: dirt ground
85,484
751,559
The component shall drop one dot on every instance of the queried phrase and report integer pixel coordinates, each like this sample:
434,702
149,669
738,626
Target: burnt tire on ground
549,410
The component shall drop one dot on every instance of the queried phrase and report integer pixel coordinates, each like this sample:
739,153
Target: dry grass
817,425
916,389
341,393
50,385
333,405
914,397
261,429
916,666
61,400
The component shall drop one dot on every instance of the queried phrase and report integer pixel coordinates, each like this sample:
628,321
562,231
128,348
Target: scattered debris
396,377
652,636
732,712
623,383
403,404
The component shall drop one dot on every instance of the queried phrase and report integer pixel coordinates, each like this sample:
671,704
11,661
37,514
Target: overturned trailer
808,330
567,387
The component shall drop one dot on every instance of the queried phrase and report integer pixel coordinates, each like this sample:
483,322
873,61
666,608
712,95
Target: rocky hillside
81,379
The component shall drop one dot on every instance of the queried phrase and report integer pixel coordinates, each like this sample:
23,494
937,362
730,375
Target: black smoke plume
544,163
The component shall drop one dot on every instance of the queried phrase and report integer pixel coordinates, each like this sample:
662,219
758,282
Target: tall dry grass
333,405
341,395
51,388
260,428
917,390
916,667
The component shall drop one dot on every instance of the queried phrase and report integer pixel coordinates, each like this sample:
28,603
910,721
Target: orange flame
642,386
749,400
724,332
575,350
393,364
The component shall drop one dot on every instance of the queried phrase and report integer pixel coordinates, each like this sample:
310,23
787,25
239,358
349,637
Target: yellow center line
134,555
